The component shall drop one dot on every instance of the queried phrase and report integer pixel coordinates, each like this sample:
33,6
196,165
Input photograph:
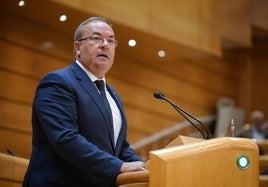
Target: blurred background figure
257,128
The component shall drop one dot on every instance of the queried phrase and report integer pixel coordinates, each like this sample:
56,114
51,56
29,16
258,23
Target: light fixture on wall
161,53
132,43
21,3
63,18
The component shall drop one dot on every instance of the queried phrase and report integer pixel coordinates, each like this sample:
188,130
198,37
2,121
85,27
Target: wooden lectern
12,170
219,162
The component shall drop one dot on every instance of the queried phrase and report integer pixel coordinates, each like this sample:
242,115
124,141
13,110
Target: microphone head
159,95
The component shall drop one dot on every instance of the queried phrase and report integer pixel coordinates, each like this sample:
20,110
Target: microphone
184,113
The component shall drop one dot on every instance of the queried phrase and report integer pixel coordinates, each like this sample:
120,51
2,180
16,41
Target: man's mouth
103,55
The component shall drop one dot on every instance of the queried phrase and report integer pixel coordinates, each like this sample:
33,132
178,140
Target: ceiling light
63,18
161,53
132,43
21,3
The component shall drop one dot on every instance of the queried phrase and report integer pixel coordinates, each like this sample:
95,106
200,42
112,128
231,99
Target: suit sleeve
127,153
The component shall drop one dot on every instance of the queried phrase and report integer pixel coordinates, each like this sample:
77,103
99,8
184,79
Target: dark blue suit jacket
72,136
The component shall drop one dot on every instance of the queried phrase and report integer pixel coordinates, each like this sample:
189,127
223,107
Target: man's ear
76,48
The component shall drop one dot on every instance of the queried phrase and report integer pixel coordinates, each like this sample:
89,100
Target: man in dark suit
79,139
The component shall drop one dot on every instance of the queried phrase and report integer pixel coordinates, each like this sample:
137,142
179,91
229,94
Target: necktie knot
100,85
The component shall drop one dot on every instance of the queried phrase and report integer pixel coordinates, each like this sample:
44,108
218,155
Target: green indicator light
242,162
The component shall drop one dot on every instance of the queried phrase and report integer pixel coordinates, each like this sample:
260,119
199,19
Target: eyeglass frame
100,40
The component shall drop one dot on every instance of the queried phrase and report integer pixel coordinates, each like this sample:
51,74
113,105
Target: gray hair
78,31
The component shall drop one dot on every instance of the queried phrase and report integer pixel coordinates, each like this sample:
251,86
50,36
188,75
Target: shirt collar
90,75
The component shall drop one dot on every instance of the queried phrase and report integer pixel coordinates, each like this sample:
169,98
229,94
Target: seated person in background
257,129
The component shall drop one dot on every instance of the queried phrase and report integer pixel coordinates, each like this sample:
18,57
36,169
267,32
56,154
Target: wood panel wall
193,85
193,81
252,81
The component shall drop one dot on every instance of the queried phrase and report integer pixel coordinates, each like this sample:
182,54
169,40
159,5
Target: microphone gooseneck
183,112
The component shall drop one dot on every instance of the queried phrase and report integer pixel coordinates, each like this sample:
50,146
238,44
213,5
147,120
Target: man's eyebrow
99,34
96,33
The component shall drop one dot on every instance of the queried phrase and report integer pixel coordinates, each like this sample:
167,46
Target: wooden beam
198,24
179,21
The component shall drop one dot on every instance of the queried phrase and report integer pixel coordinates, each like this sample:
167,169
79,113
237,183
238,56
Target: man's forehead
98,28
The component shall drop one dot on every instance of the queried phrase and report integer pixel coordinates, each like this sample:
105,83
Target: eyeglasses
96,40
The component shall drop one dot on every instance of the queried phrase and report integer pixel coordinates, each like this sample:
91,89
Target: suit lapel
117,101
92,91
119,105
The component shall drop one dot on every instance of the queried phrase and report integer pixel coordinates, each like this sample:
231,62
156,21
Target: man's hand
132,166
